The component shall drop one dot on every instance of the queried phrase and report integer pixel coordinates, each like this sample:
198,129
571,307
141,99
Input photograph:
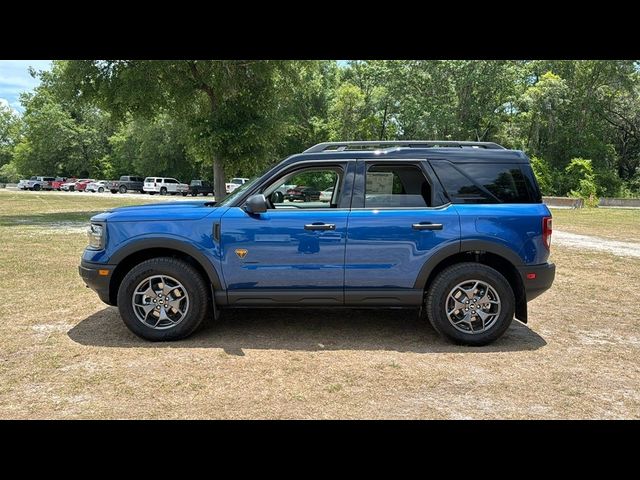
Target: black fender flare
433,260
172,244
464,246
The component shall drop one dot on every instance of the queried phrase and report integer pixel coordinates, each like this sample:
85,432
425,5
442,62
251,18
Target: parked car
200,187
127,183
24,184
163,185
81,185
325,195
37,183
455,230
306,194
69,185
234,183
59,181
98,186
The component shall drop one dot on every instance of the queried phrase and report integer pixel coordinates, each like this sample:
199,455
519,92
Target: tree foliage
214,119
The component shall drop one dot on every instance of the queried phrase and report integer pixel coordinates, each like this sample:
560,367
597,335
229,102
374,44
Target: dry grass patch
64,354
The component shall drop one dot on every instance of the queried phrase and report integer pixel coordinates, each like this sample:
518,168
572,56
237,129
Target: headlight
96,237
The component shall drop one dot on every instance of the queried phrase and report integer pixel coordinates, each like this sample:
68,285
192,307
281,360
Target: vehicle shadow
306,330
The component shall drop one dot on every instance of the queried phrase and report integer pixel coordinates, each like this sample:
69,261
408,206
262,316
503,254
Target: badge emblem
241,252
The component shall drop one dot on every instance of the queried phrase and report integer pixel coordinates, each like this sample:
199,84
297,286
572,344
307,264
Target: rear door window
396,185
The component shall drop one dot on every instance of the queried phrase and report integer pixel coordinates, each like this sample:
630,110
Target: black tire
36,187
114,191
101,189
196,287
446,280
163,191
122,189
193,194
152,193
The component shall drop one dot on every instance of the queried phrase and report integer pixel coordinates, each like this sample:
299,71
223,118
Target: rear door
397,223
171,184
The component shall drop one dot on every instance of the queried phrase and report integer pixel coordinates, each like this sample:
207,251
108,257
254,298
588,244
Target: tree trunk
219,180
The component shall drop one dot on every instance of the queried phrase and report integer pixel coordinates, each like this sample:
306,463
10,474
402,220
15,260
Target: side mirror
256,204
277,197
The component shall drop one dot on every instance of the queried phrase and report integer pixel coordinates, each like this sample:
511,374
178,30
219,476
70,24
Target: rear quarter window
485,182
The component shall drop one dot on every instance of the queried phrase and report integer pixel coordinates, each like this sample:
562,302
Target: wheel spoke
469,292
456,306
175,303
149,292
146,307
166,289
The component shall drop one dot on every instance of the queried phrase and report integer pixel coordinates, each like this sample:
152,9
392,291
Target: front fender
177,243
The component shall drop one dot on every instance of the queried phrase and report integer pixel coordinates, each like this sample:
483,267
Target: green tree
10,125
229,108
347,120
152,147
58,141
544,175
580,181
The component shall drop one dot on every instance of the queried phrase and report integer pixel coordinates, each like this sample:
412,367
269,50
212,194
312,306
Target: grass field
64,354
613,223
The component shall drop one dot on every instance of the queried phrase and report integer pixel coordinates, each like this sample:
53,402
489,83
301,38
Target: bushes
580,180
9,174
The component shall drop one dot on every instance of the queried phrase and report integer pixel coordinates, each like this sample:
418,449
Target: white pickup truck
36,183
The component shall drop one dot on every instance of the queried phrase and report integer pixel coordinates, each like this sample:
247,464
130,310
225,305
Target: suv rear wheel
470,303
163,299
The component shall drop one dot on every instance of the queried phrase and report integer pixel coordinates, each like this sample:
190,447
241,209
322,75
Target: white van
164,185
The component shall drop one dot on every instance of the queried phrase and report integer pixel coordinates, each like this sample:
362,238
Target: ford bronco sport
456,230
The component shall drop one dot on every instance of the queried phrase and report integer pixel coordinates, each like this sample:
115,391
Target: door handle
427,226
320,226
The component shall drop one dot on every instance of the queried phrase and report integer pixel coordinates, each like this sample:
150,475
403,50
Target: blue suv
455,230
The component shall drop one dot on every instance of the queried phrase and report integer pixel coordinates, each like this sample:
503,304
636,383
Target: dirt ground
64,354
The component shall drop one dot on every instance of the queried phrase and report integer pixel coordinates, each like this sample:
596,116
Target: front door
294,252
393,230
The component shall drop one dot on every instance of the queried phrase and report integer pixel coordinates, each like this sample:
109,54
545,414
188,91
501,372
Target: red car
57,183
81,185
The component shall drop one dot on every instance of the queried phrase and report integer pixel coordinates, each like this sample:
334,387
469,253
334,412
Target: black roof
458,152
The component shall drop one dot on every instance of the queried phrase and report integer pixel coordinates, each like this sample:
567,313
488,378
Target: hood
170,211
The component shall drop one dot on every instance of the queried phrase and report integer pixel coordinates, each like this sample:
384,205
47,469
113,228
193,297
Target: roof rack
372,144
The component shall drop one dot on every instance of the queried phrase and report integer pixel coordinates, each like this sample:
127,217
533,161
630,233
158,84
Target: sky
15,79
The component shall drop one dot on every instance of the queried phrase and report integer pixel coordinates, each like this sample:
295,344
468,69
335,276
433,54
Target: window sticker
379,183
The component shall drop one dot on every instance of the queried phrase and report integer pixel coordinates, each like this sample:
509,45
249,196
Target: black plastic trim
545,274
433,261
383,297
98,283
491,247
269,297
171,244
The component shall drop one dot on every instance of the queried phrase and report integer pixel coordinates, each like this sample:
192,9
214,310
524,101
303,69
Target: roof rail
371,144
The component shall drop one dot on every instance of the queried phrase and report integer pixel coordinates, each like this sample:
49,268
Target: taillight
546,231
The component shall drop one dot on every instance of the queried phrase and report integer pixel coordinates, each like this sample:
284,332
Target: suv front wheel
163,299
470,303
